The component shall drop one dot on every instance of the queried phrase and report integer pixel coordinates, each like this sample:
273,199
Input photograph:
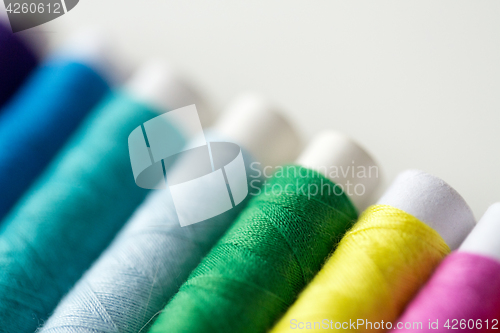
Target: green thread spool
272,251
276,246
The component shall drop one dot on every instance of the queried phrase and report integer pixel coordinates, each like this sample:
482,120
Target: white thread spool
3,14
336,156
91,46
211,170
432,201
158,85
152,255
484,239
256,124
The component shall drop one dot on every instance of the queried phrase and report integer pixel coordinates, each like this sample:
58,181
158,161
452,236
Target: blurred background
416,83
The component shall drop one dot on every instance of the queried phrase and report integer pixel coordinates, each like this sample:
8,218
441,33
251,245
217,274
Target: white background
415,82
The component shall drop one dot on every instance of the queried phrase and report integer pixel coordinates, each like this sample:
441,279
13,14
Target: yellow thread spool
372,274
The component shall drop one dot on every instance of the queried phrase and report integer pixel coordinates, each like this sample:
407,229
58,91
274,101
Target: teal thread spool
255,272
75,209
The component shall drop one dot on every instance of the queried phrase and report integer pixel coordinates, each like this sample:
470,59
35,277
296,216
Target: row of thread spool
77,255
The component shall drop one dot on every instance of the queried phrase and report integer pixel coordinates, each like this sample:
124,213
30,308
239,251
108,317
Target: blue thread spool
42,115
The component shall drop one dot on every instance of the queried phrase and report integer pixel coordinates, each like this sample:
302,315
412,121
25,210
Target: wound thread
70,216
466,287
141,270
374,272
271,252
39,119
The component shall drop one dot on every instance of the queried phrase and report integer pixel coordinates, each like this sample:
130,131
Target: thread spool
43,114
73,212
256,123
385,258
91,46
483,240
344,152
146,263
269,254
17,60
464,292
